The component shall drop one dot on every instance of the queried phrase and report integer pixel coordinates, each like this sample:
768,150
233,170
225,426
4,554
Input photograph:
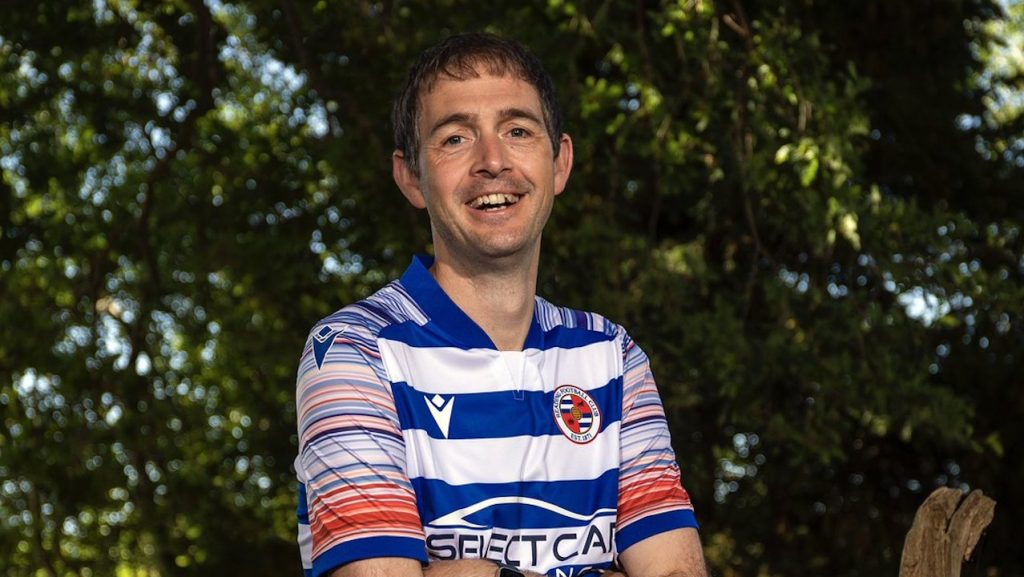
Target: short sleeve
652,499
351,463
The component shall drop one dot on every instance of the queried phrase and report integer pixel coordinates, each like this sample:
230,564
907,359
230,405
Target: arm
675,553
398,567
380,567
658,531
467,568
361,504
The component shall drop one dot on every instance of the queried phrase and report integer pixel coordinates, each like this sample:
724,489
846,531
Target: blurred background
809,213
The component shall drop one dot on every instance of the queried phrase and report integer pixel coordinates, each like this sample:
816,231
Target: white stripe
305,537
448,370
458,517
511,459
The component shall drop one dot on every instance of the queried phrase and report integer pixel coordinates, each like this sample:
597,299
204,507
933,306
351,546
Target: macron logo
322,341
441,410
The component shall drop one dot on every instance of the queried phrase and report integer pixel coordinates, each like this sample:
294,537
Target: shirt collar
446,315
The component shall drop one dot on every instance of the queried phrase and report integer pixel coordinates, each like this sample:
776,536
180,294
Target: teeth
497,199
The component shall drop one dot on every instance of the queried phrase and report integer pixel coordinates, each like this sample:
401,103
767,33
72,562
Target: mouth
494,201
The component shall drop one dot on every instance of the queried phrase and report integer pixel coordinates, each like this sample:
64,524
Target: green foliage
812,226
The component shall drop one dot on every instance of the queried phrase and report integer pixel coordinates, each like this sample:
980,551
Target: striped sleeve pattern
651,497
361,503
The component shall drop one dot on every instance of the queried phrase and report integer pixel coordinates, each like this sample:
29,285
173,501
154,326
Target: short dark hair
456,57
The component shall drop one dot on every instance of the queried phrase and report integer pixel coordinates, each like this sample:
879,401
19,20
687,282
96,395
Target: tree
810,226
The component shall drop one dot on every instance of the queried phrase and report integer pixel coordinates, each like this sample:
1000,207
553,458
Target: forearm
675,553
396,567
466,568
695,572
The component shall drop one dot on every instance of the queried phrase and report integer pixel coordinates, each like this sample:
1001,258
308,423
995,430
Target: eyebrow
504,115
454,118
519,113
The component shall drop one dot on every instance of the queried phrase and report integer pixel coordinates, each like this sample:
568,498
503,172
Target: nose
491,156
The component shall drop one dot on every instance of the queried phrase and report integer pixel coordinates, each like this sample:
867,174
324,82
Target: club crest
576,414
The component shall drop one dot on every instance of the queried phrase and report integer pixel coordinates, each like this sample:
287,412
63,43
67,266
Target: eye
453,140
519,132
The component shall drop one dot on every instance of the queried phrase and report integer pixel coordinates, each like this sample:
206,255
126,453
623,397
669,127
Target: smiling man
456,424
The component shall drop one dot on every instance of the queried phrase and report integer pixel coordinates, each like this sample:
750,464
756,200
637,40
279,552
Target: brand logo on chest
576,414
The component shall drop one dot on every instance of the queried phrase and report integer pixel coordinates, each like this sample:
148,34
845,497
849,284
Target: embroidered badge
576,414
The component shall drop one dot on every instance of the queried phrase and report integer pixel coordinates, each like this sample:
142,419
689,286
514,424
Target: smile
494,201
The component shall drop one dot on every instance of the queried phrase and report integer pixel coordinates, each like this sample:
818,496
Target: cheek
435,196
443,183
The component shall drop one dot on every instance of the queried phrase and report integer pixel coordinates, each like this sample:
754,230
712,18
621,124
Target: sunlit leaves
188,186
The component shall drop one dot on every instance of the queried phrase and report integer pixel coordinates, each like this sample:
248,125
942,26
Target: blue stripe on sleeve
653,525
368,548
302,512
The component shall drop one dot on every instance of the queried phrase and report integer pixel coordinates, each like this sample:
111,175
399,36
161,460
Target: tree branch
37,532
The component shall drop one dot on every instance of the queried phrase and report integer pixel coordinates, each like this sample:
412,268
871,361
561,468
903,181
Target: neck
499,297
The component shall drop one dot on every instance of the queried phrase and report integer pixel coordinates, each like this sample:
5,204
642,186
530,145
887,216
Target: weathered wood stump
946,529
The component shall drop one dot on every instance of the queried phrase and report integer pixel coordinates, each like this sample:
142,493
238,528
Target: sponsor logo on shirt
455,536
576,414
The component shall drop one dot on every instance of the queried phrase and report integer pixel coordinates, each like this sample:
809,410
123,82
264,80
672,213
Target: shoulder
553,318
365,319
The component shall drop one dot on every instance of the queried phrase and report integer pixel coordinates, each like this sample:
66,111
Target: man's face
488,175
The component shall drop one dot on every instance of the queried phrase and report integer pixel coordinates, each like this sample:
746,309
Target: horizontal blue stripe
436,498
433,336
368,548
428,336
572,337
498,414
653,525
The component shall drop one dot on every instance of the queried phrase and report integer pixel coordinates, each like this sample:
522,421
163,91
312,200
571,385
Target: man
454,423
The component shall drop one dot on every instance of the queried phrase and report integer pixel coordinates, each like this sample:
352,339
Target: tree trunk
946,529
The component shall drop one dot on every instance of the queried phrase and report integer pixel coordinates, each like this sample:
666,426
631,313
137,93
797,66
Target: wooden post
946,529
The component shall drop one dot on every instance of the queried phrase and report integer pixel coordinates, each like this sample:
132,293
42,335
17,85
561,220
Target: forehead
477,94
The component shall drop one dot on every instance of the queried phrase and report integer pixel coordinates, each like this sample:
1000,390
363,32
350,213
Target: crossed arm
675,553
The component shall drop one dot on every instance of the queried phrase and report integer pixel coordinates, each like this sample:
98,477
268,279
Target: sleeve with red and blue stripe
352,457
652,499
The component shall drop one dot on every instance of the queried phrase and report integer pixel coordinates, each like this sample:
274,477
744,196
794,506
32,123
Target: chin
503,251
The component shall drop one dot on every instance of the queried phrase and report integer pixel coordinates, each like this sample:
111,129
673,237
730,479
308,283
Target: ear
563,163
408,182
